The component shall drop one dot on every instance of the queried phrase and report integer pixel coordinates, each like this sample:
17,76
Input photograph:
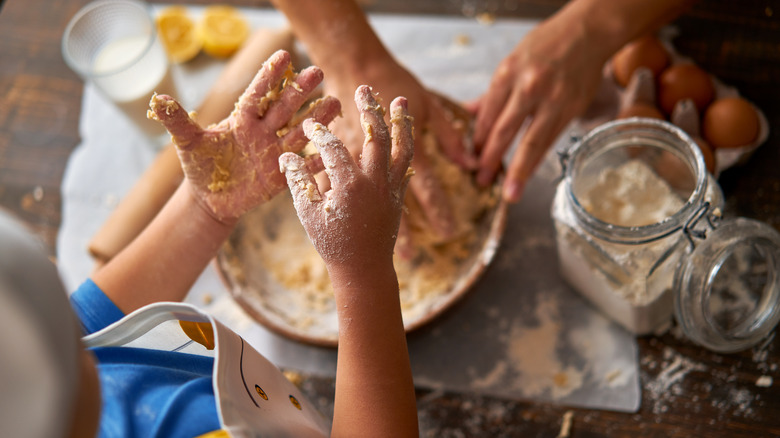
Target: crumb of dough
566,425
486,18
220,175
613,375
312,194
560,379
369,131
294,377
764,381
462,39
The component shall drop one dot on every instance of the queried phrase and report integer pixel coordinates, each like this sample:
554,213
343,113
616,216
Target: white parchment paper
522,333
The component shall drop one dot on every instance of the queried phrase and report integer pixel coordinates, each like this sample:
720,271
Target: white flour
631,195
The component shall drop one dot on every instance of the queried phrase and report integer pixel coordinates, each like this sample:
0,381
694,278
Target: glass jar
639,234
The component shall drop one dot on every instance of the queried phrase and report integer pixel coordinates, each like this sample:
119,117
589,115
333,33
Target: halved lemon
178,35
222,30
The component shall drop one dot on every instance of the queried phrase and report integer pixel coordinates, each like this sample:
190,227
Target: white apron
254,399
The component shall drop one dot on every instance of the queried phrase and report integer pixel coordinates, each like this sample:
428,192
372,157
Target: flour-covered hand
232,166
356,221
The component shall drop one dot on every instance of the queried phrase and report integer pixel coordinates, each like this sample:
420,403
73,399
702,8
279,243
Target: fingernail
513,190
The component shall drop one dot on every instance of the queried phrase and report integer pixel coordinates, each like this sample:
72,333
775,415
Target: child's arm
229,168
354,228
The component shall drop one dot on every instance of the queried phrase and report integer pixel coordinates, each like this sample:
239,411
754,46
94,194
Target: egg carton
612,99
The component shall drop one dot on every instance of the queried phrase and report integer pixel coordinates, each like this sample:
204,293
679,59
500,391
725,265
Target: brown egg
646,51
730,122
684,81
640,109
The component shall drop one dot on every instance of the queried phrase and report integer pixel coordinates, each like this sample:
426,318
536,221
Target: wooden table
687,391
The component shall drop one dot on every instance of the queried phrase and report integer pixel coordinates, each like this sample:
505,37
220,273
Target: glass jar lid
728,288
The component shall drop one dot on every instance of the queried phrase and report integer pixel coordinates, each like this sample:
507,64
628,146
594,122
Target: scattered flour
666,387
532,365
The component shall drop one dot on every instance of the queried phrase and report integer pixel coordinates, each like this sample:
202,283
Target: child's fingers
337,160
376,147
403,142
314,165
306,195
170,113
255,100
322,110
294,93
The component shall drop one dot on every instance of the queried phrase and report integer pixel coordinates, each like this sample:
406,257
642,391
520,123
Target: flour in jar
630,283
631,195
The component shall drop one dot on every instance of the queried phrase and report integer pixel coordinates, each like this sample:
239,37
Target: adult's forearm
611,24
164,261
336,33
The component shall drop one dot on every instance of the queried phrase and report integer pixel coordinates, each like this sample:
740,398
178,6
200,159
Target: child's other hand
232,166
354,225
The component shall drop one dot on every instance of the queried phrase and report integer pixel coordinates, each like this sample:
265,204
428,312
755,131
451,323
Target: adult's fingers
176,120
491,106
375,157
544,128
500,139
295,91
338,162
403,142
431,196
255,100
322,110
451,140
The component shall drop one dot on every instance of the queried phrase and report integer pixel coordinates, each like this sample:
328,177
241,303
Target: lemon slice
222,30
178,35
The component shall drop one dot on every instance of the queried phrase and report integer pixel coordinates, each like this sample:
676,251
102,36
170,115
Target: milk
128,71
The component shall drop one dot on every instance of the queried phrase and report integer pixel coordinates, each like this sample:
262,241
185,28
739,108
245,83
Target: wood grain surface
687,391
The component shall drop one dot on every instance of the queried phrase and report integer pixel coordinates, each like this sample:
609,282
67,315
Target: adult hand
549,78
355,223
232,166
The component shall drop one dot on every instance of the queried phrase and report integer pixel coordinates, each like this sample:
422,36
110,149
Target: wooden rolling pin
156,185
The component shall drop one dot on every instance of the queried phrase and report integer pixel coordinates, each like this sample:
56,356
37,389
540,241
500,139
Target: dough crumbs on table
486,18
294,377
566,424
764,381
462,39
613,375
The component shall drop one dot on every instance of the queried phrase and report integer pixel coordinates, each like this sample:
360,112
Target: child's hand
232,166
355,223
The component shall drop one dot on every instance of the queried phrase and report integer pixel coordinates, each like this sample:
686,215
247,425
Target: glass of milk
114,45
